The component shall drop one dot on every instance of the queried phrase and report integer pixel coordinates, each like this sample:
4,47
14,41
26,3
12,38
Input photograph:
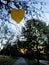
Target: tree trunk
38,56
37,61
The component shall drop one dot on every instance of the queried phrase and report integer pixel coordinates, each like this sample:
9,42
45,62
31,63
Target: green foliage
33,62
6,60
34,32
9,50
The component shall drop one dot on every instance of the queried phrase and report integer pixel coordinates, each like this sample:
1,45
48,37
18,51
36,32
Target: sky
42,5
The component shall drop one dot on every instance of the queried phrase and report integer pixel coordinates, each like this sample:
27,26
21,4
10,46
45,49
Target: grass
6,60
33,62
45,57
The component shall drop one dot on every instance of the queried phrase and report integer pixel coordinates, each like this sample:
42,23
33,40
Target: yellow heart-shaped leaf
17,15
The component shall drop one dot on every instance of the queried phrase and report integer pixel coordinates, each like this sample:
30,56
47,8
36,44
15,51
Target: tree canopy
35,33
